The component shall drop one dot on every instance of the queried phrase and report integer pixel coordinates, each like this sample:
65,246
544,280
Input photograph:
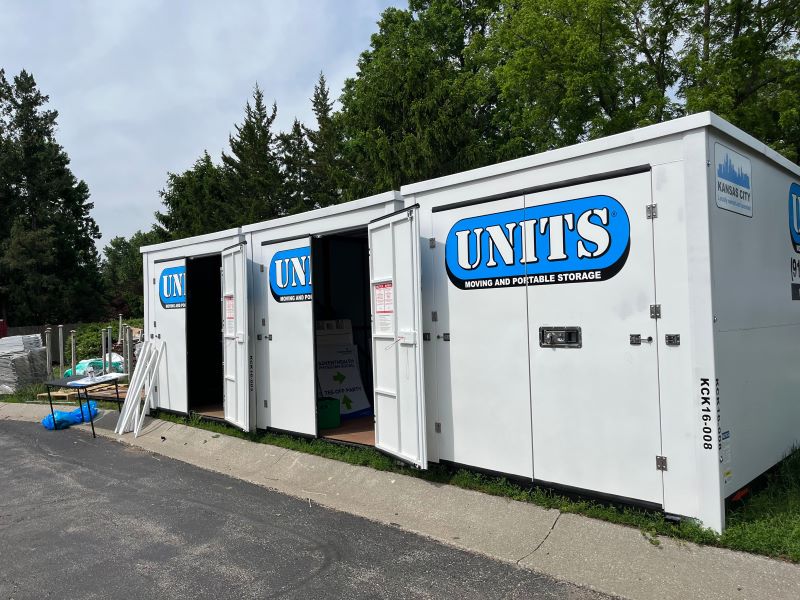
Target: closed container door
234,336
169,325
396,332
593,357
291,397
481,337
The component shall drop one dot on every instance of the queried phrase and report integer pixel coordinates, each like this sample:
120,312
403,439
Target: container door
169,325
592,339
480,337
234,337
291,397
396,344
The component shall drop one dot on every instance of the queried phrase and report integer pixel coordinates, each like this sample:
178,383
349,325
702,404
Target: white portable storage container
311,318
621,316
195,302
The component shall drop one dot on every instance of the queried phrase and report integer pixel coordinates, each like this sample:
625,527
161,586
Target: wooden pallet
108,392
59,396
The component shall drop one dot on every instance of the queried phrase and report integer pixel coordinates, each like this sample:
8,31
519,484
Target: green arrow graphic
339,377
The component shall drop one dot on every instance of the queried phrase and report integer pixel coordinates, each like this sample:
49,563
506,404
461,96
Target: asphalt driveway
91,518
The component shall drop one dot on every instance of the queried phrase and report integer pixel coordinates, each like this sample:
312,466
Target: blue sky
143,87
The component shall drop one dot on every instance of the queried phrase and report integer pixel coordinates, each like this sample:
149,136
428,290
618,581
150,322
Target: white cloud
143,87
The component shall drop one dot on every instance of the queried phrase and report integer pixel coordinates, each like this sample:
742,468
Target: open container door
234,336
394,270
291,396
169,325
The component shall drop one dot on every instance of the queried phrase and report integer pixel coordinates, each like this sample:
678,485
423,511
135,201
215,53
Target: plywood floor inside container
353,431
215,411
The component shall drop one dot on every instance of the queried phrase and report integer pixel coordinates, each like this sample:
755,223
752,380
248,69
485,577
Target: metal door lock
560,337
636,339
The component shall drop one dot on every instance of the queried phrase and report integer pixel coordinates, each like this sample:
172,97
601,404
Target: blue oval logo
172,287
794,215
581,240
290,275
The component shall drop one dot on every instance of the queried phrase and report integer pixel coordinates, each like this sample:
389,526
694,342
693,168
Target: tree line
450,85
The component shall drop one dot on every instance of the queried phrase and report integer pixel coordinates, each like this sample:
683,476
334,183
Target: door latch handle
637,340
395,342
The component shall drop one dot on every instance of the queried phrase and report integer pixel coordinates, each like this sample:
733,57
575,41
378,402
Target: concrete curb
606,557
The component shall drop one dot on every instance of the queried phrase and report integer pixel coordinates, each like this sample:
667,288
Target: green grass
768,522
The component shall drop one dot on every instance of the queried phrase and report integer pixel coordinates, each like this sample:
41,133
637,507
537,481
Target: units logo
733,189
586,239
794,215
290,275
172,287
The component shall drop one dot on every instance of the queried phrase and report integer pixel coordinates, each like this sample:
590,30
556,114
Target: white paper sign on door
384,307
230,315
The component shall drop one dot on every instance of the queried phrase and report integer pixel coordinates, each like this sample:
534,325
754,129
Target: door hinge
437,427
655,311
673,339
426,337
154,280
434,316
661,463
261,268
652,211
432,242
265,403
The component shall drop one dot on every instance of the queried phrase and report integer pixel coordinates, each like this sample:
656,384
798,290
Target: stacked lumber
23,361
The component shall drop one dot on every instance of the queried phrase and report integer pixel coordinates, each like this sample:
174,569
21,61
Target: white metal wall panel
168,312
482,366
755,265
396,337
595,407
287,345
235,337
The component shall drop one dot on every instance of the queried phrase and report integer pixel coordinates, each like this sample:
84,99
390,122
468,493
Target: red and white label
384,307
230,315
384,298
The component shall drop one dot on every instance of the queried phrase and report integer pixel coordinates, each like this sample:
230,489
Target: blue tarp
66,418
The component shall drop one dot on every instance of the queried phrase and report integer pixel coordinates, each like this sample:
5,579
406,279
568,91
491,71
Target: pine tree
49,233
326,169
294,153
196,202
252,166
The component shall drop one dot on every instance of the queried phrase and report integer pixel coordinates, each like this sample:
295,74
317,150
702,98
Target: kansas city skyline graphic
727,171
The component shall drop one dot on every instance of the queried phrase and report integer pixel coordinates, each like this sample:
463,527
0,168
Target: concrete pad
18,411
620,561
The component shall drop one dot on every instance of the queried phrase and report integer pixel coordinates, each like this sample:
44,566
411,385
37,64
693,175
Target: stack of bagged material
22,361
